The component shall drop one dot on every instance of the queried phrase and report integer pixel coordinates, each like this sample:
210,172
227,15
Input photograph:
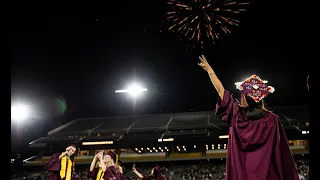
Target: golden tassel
117,157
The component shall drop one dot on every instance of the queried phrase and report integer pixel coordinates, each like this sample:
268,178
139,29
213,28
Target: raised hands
99,155
204,64
214,79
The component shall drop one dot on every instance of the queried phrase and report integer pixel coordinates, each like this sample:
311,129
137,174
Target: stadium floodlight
224,137
19,112
134,90
97,143
166,140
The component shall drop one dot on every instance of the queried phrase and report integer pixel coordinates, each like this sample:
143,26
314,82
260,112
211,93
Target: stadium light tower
133,90
19,112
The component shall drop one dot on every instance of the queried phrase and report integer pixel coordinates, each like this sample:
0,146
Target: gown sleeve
119,175
227,108
93,174
53,163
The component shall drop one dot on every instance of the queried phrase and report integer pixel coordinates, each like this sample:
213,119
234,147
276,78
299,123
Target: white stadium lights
166,140
224,137
97,143
134,90
184,148
19,112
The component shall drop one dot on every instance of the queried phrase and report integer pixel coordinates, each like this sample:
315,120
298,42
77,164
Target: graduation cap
255,88
114,156
158,168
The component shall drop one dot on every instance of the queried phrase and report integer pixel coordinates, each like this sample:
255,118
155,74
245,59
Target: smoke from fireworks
203,20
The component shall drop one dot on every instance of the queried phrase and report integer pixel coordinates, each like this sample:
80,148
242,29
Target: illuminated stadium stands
111,137
159,156
190,120
56,139
160,137
78,126
115,124
154,126
142,136
145,124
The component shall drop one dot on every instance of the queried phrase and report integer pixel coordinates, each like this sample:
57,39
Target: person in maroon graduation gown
61,165
257,146
104,167
156,174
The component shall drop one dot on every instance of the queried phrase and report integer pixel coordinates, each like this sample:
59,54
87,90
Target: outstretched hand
99,156
204,63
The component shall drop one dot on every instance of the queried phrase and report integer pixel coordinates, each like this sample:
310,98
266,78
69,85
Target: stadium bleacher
153,126
158,121
192,135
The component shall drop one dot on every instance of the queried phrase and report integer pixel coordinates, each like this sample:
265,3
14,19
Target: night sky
84,51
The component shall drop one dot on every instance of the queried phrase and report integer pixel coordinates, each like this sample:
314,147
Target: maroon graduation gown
53,166
257,150
119,175
109,174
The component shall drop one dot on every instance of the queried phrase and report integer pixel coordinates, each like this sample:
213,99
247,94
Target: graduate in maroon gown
61,165
103,167
156,174
257,146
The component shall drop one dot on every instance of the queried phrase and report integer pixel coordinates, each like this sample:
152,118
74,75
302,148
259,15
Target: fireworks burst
203,20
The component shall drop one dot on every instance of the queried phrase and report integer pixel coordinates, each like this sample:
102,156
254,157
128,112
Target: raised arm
137,173
93,170
63,154
214,79
53,163
94,162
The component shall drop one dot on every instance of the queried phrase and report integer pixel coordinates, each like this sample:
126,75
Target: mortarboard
255,88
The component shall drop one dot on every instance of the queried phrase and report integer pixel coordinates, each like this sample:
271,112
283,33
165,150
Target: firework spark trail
204,19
